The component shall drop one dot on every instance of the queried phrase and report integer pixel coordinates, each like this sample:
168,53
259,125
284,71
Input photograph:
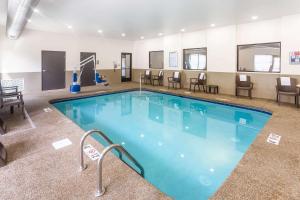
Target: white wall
221,43
1,50
290,30
221,49
24,54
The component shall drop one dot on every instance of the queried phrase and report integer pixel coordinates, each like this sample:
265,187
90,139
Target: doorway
126,65
88,74
53,70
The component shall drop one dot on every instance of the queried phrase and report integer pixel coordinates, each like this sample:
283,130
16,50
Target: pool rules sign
295,58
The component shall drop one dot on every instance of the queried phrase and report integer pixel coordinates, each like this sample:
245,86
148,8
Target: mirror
259,58
194,58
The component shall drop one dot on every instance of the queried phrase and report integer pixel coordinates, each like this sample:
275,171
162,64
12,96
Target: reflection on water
186,147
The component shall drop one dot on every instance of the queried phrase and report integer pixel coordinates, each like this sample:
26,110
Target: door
53,70
88,70
126,62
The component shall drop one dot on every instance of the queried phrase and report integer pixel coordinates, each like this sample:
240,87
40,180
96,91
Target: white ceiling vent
17,14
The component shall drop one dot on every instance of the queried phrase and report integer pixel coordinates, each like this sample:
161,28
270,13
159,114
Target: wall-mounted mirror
259,57
156,59
194,58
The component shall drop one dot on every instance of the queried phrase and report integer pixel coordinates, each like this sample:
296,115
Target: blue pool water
187,147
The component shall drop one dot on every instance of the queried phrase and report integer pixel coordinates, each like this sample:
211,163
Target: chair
159,78
287,86
8,90
174,80
3,155
12,99
146,77
200,81
243,82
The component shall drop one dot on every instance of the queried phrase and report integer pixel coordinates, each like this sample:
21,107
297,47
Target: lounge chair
8,90
12,99
159,78
147,77
174,80
287,86
3,155
243,82
200,82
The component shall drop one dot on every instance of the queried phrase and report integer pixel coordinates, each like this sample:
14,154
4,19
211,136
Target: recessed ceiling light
100,31
182,30
142,37
160,34
36,10
254,17
212,25
123,34
29,20
69,26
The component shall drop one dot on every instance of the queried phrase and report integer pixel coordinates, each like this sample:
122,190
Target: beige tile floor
37,171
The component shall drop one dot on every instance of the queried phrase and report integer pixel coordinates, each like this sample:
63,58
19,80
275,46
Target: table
212,89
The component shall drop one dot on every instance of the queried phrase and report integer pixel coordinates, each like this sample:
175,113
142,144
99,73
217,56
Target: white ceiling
148,17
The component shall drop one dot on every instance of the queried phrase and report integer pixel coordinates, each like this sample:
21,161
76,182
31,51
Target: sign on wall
173,59
295,58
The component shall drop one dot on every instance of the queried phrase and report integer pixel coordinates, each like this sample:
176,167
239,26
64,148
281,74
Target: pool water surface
187,147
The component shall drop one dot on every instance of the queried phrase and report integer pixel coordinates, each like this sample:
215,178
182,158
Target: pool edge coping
253,108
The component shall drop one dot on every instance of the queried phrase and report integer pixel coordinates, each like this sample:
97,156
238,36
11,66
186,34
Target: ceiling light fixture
69,26
123,34
36,10
160,34
254,17
142,37
212,25
100,31
29,20
182,30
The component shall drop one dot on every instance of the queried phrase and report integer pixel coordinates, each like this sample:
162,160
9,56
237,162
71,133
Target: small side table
212,89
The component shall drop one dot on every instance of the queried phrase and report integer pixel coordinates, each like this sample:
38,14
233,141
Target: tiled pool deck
37,171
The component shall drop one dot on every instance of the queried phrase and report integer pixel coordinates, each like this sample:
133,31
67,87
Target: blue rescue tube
74,77
75,88
98,79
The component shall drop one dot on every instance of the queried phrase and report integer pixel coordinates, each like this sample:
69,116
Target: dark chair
159,78
12,99
243,82
8,90
175,80
3,155
200,82
287,86
146,77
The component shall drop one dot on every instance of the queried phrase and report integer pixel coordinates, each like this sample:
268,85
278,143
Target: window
194,58
156,59
259,57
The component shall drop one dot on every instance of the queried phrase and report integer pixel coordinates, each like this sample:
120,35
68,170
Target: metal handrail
86,134
100,189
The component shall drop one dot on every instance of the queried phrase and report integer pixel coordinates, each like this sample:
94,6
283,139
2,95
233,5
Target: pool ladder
100,189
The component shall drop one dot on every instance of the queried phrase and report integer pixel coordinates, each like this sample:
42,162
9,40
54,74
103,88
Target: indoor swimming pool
187,147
